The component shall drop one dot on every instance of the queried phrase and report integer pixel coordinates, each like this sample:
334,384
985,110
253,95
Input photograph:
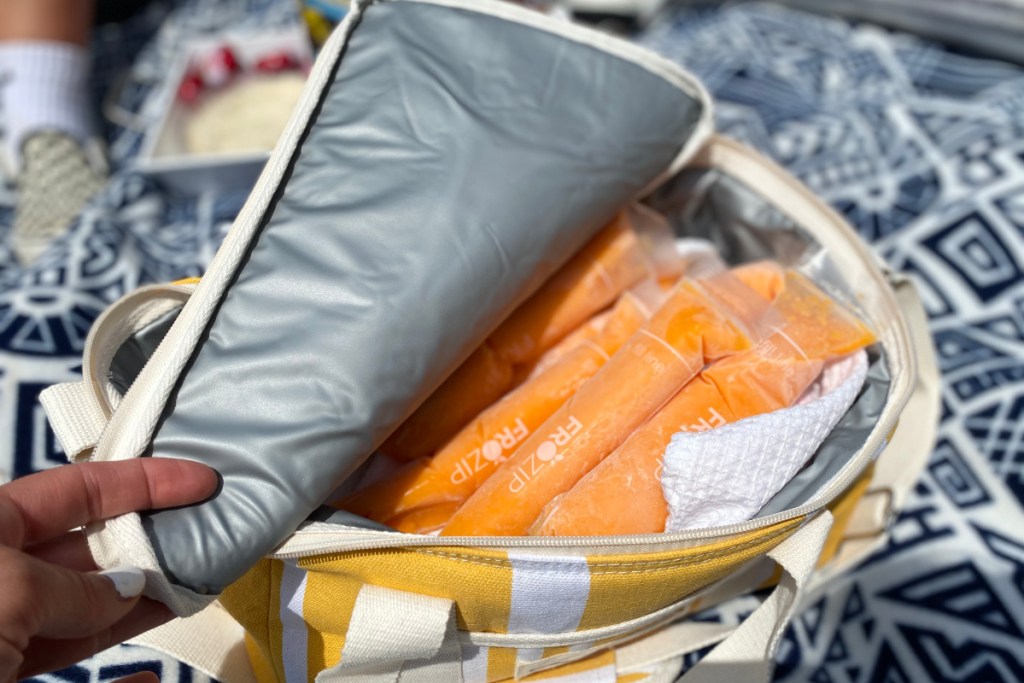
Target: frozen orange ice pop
767,278
649,293
689,330
462,464
623,494
612,262
584,333
481,380
423,520
608,265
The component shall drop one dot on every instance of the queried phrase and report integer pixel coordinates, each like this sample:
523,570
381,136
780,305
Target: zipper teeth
341,540
324,557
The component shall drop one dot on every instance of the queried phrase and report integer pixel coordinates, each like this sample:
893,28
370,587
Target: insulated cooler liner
453,162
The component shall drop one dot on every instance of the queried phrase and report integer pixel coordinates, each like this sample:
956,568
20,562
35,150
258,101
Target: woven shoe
58,176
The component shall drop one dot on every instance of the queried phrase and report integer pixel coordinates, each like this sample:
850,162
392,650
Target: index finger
44,505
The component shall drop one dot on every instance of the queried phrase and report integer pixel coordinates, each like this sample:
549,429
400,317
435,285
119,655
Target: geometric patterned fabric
922,151
920,148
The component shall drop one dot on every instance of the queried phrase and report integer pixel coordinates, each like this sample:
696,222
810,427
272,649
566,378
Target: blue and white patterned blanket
921,149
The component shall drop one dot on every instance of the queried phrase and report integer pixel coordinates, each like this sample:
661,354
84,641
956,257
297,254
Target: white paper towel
725,475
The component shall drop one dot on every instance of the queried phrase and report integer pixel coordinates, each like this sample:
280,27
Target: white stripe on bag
294,637
474,663
549,594
605,674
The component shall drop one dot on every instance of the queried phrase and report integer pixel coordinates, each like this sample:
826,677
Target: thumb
74,604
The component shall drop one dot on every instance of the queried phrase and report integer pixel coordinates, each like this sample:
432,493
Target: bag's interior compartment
576,449
745,226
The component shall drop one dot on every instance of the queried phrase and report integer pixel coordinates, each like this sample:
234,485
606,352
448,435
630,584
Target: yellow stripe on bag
501,663
247,601
274,628
262,667
329,606
479,581
625,587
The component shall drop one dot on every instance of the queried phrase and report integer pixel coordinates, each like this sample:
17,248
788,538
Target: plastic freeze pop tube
763,274
612,262
637,244
465,462
623,494
584,333
700,322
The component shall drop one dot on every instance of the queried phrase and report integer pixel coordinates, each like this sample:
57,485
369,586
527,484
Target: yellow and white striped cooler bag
333,604
343,603
339,601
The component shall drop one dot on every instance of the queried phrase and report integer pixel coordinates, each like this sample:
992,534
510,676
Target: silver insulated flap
455,160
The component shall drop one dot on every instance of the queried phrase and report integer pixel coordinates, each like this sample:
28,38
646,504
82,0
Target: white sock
45,86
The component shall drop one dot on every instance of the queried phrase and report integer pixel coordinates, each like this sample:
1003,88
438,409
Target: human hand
55,609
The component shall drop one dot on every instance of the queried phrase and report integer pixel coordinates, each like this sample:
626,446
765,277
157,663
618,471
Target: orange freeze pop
481,380
623,494
608,265
584,333
648,293
612,262
767,278
462,464
423,520
689,330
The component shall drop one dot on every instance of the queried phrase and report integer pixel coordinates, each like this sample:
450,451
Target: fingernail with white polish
128,581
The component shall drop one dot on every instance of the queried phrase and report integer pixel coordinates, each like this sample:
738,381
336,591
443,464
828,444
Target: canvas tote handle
397,636
79,411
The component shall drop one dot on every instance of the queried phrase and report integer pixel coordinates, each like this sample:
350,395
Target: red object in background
191,87
219,67
277,61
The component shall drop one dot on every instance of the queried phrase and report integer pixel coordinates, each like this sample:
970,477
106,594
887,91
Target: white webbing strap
396,636
210,641
400,637
748,654
76,417
679,638
74,409
913,441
